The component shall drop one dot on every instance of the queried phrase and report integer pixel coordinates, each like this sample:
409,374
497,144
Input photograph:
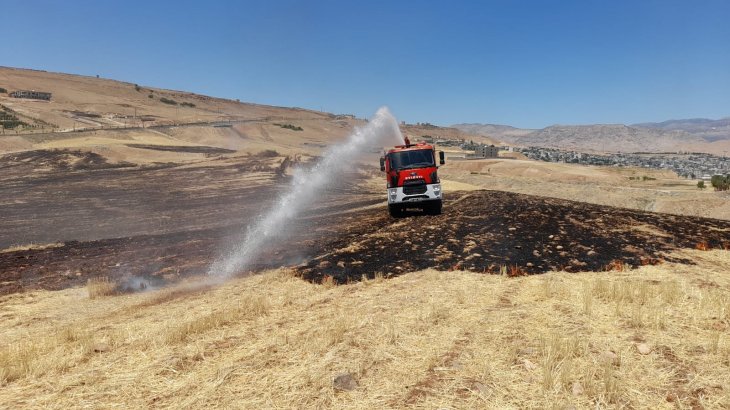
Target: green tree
720,182
701,184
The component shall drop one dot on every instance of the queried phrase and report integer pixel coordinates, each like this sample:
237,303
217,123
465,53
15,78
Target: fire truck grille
414,187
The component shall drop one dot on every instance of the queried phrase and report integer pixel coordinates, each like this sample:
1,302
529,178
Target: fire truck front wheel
433,208
396,211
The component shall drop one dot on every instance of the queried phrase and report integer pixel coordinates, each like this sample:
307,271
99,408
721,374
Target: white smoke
305,187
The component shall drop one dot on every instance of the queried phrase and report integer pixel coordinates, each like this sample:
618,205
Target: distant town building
689,165
486,151
32,94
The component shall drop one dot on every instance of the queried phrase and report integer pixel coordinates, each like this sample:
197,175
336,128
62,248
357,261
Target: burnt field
155,223
350,235
500,232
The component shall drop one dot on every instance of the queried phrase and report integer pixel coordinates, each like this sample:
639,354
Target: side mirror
442,161
382,163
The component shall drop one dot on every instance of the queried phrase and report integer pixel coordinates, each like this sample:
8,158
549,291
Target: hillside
710,130
681,135
611,137
118,119
87,102
500,132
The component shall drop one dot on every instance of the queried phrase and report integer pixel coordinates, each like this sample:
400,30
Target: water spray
305,187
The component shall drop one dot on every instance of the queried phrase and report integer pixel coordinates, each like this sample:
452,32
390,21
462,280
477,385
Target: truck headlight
393,194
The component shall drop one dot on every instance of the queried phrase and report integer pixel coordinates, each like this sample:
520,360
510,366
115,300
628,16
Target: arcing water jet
305,187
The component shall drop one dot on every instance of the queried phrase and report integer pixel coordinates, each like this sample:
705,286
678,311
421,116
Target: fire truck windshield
412,159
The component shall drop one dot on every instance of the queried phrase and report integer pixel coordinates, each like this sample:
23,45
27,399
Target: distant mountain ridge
608,137
493,130
698,134
710,130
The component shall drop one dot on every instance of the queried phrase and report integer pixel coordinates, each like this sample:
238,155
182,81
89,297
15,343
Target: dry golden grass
598,185
655,337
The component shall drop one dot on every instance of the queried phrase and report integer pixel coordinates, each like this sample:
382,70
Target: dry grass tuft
587,299
55,351
379,277
100,287
515,271
618,266
32,246
329,282
557,355
611,384
16,361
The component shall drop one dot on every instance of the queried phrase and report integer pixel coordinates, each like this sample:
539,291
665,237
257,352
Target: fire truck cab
412,178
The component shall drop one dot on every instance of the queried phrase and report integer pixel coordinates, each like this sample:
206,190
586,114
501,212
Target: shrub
150,96
3,91
269,153
290,127
168,101
701,184
720,182
187,104
644,178
9,120
137,87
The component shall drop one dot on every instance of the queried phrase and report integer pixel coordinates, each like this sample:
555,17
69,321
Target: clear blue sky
523,63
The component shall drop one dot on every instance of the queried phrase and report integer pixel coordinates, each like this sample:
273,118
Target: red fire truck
412,178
